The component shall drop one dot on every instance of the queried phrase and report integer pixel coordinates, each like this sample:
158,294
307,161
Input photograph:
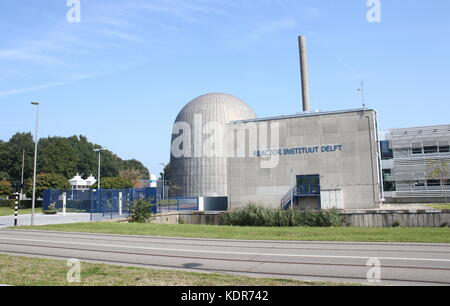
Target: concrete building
198,168
310,160
78,183
318,160
416,164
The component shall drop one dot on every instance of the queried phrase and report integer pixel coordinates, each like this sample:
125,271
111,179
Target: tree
114,183
5,188
4,176
439,170
60,155
57,155
46,181
11,156
133,175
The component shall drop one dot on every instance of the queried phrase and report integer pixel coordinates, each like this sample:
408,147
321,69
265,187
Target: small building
78,183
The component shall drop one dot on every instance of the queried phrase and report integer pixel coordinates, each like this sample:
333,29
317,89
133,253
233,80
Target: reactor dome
194,172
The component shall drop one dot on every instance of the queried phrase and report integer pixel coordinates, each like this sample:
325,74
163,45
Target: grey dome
216,107
201,176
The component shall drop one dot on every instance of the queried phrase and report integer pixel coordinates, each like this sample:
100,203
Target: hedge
256,215
23,204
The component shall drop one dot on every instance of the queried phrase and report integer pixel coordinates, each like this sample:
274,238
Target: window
433,183
446,182
430,150
388,186
419,183
386,152
444,149
308,184
417,151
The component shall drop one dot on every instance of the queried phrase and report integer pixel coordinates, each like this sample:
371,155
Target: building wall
416,152
354,168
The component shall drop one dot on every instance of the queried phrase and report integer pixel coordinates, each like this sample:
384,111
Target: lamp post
99,164
33,202
164,181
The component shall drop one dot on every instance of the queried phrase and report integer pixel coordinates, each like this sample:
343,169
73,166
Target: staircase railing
286,200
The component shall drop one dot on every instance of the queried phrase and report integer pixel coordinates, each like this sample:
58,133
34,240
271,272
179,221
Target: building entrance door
308,191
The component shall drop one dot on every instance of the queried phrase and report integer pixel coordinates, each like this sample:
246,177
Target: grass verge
354,234
25,271
440,206
6,211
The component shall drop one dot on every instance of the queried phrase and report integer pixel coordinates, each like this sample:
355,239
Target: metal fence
113,203
176,204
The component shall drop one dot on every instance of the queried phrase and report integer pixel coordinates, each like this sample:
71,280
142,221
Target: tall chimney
304,73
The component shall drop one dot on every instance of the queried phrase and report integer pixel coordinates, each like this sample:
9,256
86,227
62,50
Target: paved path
42,219
402,263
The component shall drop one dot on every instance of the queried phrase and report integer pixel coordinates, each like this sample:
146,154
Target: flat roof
302,115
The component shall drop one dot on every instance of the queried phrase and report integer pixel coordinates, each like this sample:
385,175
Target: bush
140,211
52,210
257,215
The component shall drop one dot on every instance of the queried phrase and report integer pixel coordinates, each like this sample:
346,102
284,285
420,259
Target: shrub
140,211
257,215
52,210
396,223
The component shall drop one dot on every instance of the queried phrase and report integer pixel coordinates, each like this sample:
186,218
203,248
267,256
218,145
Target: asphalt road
401,263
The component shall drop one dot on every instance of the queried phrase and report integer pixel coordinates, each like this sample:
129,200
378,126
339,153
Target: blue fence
113,203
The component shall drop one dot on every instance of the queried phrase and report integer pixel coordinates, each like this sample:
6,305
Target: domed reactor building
227,158
199,161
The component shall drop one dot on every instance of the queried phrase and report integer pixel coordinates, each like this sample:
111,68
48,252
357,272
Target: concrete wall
197,218
406,219
357,219
353,169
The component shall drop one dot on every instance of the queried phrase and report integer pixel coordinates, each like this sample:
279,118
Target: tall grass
257,215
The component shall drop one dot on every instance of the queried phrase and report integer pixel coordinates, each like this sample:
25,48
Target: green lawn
24,271
6,211
433,235
440,206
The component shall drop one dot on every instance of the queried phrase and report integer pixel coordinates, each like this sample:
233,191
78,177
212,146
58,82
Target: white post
120,203
292,188
64,195
201,204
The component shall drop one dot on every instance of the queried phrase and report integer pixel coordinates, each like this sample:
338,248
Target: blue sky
121,75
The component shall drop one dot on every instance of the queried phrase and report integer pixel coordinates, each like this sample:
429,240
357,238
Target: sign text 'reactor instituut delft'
298,151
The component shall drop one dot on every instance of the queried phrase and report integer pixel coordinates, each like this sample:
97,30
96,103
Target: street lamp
33,202
99,163
164,181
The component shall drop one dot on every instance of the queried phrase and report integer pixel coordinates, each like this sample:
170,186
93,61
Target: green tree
11,156
57,155
46,181
5,188
439,170
4,176
136,165
114,183
60,155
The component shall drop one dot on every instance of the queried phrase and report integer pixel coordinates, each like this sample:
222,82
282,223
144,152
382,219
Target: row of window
419,184
387,153
431,183
431,150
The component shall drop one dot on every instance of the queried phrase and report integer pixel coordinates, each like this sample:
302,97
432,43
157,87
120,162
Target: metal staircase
286,200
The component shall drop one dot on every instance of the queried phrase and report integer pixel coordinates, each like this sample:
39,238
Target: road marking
224,252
